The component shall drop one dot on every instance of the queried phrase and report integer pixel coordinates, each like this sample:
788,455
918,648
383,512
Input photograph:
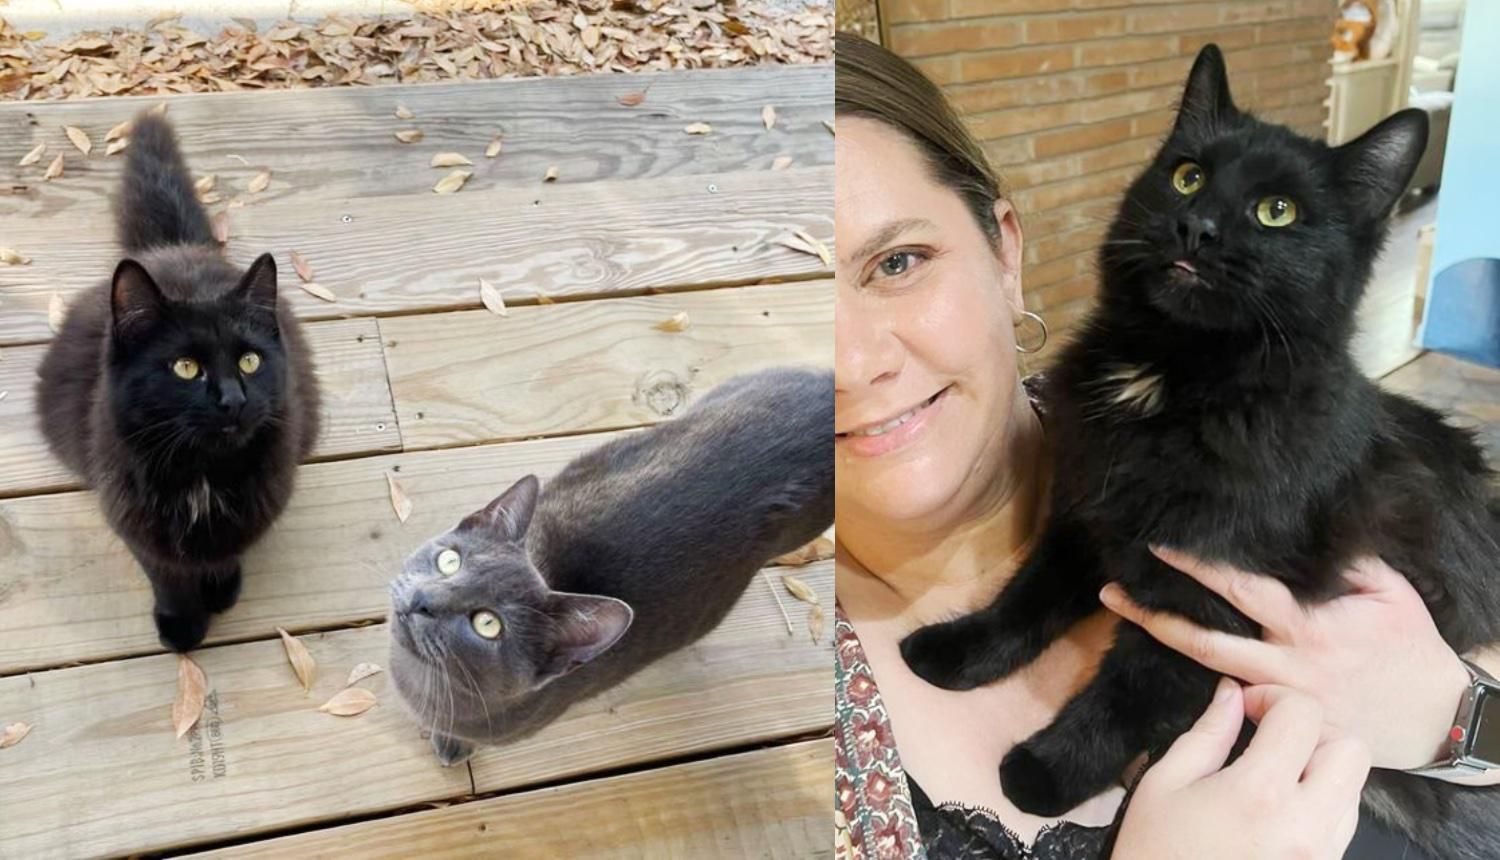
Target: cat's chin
1188,300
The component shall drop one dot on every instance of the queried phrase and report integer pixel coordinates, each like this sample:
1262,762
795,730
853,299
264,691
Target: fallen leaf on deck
493,149
776,593
815,622
80,138
409,135
320,291
349,702
118,131
698,128
13,257
551,175
799,589
449,159
491,298
361,672
160,109
817,549
818,247
4,394
768,116
452,182
205,183
210,198
33,156
55,169
544,299
403,112
828,124
192,688
13,734
116,145
675,322
299,263
782,162
632,99
259,182
400,501
220,227
57,311
303,664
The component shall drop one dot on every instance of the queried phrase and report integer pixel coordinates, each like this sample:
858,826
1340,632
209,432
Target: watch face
1486,731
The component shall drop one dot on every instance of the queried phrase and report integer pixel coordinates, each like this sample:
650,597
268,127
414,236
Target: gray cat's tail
158,205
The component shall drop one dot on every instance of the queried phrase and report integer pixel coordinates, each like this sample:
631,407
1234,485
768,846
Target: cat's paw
221,590
450,750
1031,783
953,655
181,632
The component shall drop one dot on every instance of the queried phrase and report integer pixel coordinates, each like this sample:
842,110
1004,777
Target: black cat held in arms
547,596
182,391
1210,404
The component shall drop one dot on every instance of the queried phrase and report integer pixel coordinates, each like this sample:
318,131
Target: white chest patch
1132,388
201,501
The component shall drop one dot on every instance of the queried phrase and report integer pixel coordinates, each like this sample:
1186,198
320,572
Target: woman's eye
185,368
486,624
448,562
897,264
249,363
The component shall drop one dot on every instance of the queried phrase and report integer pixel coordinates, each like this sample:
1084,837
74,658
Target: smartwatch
1474,739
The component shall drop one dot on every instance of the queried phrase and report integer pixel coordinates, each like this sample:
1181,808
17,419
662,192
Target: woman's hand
1372,659
1293,793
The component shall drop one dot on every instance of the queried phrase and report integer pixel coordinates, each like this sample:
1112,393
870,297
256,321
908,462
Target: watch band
1458,761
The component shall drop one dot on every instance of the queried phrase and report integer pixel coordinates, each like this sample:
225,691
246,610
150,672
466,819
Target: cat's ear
509,515
135,300
258,286
1375,167
1206,98
583,627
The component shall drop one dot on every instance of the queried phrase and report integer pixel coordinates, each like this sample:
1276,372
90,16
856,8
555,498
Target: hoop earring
1028,315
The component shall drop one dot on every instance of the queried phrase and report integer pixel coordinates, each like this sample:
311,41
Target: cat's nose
1196,231
417,603
231,399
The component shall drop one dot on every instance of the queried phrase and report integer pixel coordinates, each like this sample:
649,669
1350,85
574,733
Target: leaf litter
400,501
349,702
490,296
362,671
13,734
192,689
303,664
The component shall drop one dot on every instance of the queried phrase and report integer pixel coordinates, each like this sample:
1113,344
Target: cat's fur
634,550
189,473
1222,414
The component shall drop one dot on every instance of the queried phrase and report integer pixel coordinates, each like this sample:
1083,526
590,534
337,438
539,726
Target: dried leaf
782,162
259,182
768,116
55,169
210,198
491,298
192,689
409,135
799,589
33,156
303,664
400,502
675,322
11,256
220,226
404,112
817,549
205,183
452,182
160,109
798,240
361,672
818,247
776,593
57,311
116,145
551,175
544,299
449,159
349,702
118,131
828,124
815,622
80,138
698,128
320,291
299,263
13,734
632,99
493,149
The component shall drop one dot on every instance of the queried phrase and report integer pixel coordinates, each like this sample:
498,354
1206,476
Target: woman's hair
874,83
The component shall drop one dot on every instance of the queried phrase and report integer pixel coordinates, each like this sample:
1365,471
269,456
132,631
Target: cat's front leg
450,750
1056,587
181,618
220,588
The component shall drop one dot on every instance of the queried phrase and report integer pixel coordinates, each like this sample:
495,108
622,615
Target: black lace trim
952,831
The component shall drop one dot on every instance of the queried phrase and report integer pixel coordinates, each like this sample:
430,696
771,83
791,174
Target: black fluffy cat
181,391
1210,404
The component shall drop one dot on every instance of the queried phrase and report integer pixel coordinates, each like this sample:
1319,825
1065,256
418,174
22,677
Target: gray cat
636,549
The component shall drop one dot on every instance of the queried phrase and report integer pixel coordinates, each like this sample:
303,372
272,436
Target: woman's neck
960,558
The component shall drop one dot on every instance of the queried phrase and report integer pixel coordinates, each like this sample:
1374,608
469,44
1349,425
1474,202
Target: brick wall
1071,97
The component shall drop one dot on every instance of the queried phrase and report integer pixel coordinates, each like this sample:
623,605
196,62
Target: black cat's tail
158,205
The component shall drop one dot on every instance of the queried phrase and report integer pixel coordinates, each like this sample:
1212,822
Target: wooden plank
767,803
573,123
282,764
358,417
471,376
70,592
427,252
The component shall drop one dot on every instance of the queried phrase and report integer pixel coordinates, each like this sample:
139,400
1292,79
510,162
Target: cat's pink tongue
1186,267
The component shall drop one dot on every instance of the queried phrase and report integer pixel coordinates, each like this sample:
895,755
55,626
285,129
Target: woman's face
925,369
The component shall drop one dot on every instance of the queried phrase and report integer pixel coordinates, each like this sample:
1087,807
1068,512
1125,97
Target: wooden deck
719,750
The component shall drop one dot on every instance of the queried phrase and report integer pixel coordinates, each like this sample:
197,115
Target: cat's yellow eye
1188,178
486,624
1276,211
249,363
185,368
448,562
